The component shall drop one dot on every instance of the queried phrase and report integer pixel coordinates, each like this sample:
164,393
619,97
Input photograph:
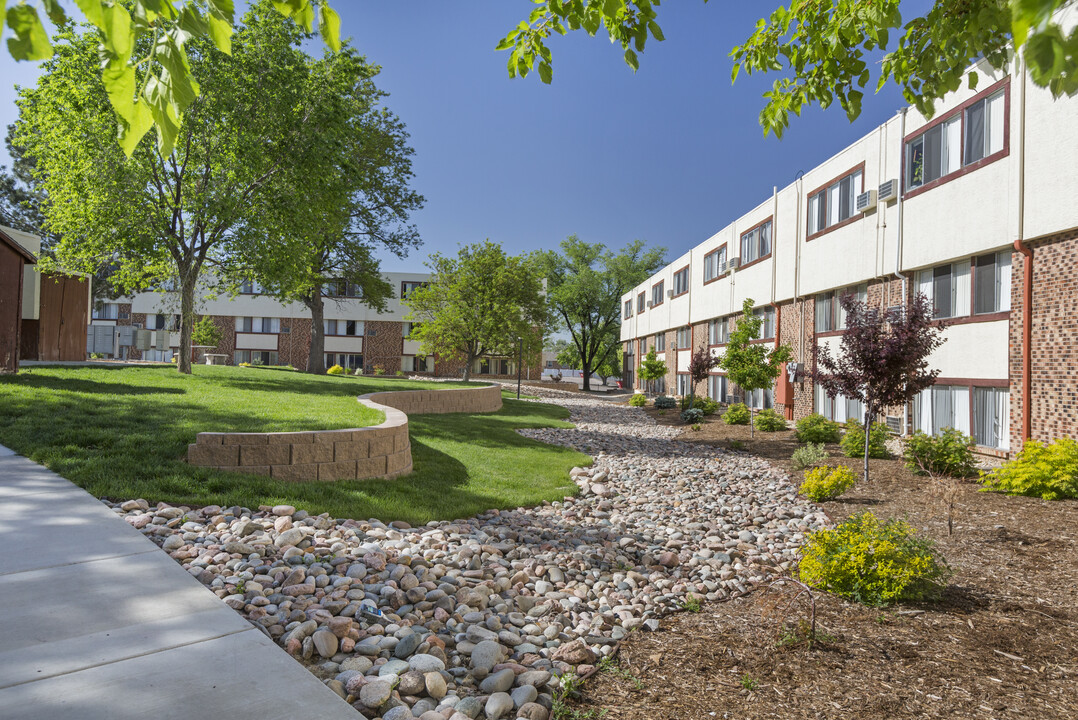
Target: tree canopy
160,218
479,303
826,50
585,282
144,63
748,364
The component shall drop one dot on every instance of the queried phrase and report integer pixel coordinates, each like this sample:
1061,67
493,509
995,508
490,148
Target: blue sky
669,154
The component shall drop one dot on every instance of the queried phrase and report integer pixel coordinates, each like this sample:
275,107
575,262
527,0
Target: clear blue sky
669,154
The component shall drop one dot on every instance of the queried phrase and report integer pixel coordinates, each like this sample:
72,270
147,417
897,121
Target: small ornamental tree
884,360
651,367
701,364
751,365
206,332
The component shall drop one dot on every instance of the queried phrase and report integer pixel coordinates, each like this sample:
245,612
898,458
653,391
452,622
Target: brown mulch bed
1001,642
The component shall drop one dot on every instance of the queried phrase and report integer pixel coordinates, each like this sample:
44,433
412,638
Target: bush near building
815,428
736,414
1046,471
769,420
827,483
949,453
853,442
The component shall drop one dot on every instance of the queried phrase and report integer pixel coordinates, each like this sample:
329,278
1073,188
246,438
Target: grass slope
123,432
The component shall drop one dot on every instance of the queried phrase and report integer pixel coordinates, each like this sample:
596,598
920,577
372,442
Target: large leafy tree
163,217
827,50
749,364
145,65
884,359
350,198
585,282
480,302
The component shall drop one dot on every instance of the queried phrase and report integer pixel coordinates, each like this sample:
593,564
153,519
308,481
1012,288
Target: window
767,327
992,283
656,386
407,328
657,293
106,310
984,128
940,150
684,384
829,313
412,363
835,203
351,328
351,361
684,338
718,332
258,325
342,288
171,323
756,243
660,342
250,287
839,408
640,303
681,281
942,406
947,288
407,287
628,313
760,399
256,357
713,264
494,366
716,388
991,412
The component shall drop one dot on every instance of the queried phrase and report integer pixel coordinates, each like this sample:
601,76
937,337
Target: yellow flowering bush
872,564
1046,471
827,483
335,370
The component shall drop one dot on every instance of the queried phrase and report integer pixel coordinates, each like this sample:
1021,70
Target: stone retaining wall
381,451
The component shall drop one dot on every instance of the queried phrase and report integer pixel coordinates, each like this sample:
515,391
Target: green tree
611,366
349,199
651,367
825,50
206,332
144,63
479,303
162,218
585,282
748,364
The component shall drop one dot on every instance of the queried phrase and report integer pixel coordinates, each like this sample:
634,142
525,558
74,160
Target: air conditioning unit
733,263
888,191
649,303
866,201
894,424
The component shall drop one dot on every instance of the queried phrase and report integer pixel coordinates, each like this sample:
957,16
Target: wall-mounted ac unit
866,201
649,303
733,263
888,191
670,293
894,424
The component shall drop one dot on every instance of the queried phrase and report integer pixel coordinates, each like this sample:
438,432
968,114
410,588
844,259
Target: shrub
379,370
665,402
638,400
1048,471
808,455
769,420
400,373
853,442
245,364
736,414
871,563
692,415
950,453
359,371
335,370
704,403
827,483
816,428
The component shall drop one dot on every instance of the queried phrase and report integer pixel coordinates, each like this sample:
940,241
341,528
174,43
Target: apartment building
976,207
259,329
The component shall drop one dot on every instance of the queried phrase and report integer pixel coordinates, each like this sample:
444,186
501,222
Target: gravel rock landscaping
479,617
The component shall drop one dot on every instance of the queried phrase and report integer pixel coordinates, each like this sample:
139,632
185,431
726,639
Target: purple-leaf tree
884,360
701,364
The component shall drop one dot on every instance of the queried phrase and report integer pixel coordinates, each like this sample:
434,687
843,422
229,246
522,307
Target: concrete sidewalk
100,623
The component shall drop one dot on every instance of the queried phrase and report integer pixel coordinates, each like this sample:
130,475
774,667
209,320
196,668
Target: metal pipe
899,237
1027,270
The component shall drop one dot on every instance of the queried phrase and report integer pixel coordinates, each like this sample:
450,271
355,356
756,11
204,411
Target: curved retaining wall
379,451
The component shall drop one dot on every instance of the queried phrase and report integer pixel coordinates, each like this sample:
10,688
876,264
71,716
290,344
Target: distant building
15,260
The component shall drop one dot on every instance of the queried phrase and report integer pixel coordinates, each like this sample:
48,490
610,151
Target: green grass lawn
122,432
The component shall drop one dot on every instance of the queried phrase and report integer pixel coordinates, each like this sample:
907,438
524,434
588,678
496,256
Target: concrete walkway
98,622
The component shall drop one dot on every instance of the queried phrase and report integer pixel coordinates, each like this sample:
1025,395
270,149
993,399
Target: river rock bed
480,617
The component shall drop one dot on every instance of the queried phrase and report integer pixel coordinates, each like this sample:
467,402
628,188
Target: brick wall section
293,347
384,347
797,320
382,451
1054,354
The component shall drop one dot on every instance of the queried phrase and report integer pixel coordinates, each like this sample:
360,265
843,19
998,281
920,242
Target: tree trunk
187,319
585,368
468,368
316,358
868,431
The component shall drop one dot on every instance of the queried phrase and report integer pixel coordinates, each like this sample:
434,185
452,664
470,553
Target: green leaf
133,129
220,30
119,81
30,41
55,11
656,31
225,9
631,60
93,11
329,25
546,74
973,79
116,31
